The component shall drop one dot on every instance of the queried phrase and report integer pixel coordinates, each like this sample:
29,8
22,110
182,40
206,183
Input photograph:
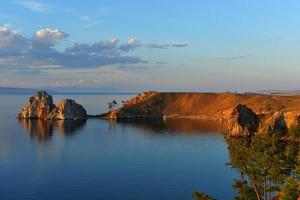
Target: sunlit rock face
243,121
38,106
68,109
273,123
292,118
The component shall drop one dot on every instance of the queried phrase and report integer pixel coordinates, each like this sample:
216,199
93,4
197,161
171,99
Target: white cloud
157,46
89,22
38,52
238,57
164,46
105,47
32,5
46,38
11,42
131,44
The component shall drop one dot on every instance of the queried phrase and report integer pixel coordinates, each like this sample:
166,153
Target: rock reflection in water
68,127
42,130
38,129
177,125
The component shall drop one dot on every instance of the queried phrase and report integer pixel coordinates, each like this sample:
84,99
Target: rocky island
41,106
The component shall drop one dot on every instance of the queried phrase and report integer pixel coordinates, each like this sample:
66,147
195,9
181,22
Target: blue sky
136,45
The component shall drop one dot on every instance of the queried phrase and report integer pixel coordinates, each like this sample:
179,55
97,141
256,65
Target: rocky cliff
38,106
243,121
68,109
41,106
247,113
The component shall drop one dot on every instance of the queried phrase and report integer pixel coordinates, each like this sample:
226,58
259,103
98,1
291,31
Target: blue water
102,159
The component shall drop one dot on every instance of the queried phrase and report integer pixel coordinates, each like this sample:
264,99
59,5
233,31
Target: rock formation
38,106
140,97
273,123
41,106
243,121
68,109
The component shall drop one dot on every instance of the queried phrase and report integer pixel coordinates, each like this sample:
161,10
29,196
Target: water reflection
176,125
42,130
38,129
69,127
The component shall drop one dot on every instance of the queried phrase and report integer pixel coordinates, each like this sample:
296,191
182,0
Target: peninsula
245,114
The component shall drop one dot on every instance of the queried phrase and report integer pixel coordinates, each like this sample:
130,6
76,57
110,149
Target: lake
101,159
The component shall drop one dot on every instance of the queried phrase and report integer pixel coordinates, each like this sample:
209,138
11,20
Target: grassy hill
212,105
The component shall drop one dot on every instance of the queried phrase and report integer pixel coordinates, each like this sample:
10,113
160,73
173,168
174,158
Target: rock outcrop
41,106
140,97
38,106
68,109
273,123
243,121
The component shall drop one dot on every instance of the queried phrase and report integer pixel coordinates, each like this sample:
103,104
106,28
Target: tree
290,190
244,192
266,161
294,131
112,105
201,196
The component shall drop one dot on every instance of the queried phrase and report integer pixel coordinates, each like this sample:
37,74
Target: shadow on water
42,130
175,125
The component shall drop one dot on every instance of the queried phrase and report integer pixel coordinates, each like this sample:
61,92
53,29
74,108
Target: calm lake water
102,159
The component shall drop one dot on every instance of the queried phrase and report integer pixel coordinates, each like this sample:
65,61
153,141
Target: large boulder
243,121
68,109
38,106
273,123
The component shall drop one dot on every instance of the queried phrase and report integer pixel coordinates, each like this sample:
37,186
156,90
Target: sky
138,45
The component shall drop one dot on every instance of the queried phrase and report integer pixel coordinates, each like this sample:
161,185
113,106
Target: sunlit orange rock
38,106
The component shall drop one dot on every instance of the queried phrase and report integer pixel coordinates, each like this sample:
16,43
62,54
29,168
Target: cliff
40,106
272,112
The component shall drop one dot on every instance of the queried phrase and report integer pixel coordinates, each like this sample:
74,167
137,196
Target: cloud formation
164,46
157,46
89,22
12,43
239,57
47,38
33,5
179,45
106,47
38,52
131,44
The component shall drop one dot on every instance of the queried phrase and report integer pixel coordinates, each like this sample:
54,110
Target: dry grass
209,104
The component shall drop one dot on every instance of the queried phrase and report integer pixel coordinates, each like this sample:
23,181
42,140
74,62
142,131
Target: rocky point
38,106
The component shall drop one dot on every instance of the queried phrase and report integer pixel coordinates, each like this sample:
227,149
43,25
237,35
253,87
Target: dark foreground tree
202,196
290,190
265,162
